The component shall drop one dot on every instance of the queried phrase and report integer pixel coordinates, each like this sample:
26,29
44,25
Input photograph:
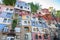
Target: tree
9,2
14,23
58,13
34,7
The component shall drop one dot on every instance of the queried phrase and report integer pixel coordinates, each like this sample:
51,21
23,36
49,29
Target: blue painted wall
2,26
6,15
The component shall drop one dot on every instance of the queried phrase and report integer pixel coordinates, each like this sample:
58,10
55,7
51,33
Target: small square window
9,15
40,22
4,20
27,16
28,8
28,21
25,7
25,22
26,29
17,5
21,6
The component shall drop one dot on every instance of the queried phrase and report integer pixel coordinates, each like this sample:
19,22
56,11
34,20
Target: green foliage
14,23
34,7
58,13
9,2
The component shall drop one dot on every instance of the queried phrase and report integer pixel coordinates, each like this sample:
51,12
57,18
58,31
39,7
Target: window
26,28
39,18
25,22
11,9
9,20
28,8
40,22
35,29
39,12
17,5
26,37
7,8
28,21
40,37
36,36
9,15
33,23
33,17
12,38
21,6
25,4
19,24
5,29
27,16
46,36
28,12
4,20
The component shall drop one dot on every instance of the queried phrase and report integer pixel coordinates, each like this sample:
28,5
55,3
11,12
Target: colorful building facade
6,16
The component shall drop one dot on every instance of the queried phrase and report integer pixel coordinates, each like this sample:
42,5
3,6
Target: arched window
45,36
40,37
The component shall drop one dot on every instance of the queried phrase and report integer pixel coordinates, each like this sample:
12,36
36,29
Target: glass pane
12,39
4,20
26,28
26,36
36,36
9,20
9,15
11,9
25,22
46,36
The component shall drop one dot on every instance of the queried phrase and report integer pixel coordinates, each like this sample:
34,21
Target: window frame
5,20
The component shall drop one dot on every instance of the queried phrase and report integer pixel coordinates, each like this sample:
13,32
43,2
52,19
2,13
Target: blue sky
46,3
57,4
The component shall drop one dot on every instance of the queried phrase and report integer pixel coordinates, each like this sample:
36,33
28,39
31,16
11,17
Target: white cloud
44,3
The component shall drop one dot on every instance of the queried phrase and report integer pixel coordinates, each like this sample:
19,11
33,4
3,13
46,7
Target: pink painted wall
33,37
2,7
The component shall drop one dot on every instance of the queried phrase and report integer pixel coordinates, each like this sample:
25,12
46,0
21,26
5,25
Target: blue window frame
33,23
9,15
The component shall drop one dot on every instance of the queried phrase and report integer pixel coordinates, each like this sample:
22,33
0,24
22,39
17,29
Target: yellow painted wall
24,17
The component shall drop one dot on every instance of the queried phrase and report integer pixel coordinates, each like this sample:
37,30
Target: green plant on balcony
14,23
